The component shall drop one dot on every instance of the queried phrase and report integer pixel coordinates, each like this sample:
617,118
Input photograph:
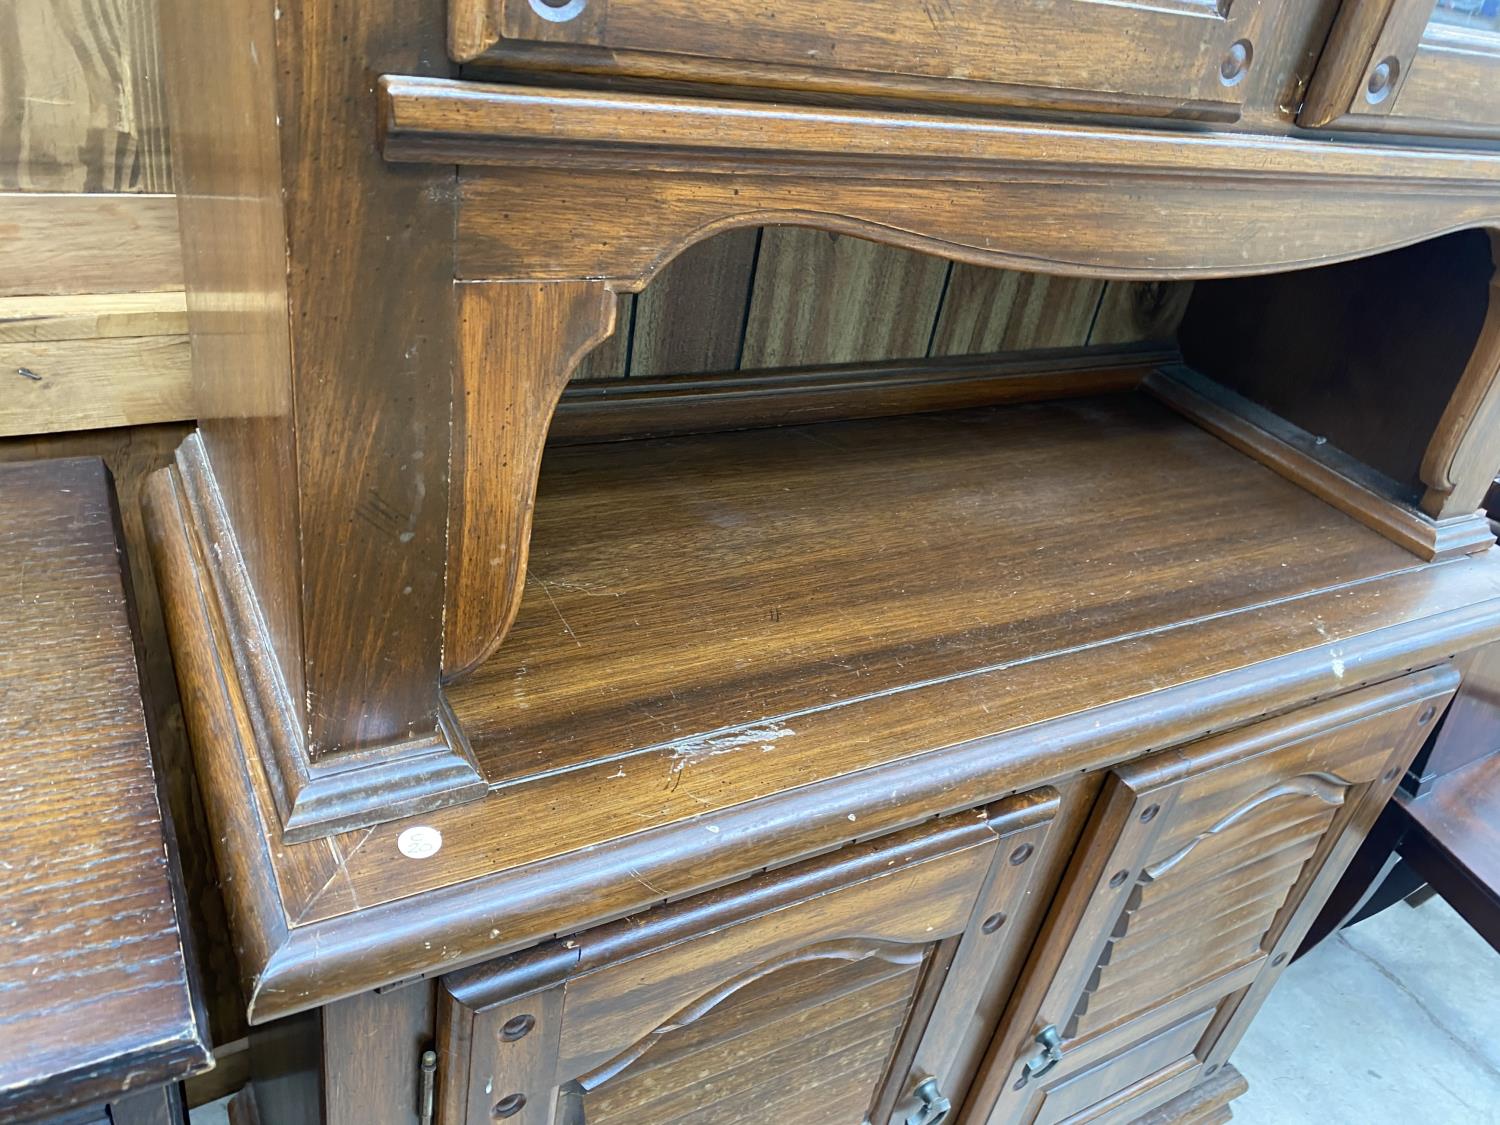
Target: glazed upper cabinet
1162,57
1194,882
1410,66
841,988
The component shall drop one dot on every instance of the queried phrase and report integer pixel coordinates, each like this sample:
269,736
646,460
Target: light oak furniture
100,1018
966,739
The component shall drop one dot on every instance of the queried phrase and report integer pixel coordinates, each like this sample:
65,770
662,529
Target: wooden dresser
99,1014
969,738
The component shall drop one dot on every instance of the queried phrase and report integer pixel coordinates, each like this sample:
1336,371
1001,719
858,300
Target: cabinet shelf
704,592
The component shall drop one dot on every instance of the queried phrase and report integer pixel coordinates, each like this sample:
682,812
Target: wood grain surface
694,603
96,316
1301,457
1331,349
1013,670
516,345
1452,838
131,455
434,120
53,386
1197,869
821,298
592,410
691,320
67,243
1215,221
94,988
1390,66
1120,58
81,105
988,310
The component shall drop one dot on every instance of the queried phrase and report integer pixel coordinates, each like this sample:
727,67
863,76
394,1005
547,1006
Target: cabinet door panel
626,1003
818,979
740,1073
1410,66
1198,873
1162,57
1157,1059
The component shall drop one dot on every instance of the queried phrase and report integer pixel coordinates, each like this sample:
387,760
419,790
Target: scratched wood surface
1220,593
94,990
718,564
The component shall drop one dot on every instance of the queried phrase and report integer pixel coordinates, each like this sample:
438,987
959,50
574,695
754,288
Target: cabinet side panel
220,73
370,253
1366,354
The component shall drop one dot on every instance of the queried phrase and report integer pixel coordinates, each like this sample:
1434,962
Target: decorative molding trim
852,950
290,967
1326,787
622,409
1289,454
445,121
1206,1103
337,791
1135,202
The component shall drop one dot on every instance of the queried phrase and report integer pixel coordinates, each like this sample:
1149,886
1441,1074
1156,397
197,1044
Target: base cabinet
845,989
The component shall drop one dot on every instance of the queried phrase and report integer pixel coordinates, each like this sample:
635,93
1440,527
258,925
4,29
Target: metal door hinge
426,1083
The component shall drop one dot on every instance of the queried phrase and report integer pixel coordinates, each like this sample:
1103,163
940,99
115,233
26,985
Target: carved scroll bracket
518,341
1464,454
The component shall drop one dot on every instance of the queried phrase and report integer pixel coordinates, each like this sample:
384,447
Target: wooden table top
1454,841
94,987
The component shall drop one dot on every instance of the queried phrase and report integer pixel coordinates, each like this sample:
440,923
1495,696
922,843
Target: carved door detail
1194,882
1186,58
1410,66
804,995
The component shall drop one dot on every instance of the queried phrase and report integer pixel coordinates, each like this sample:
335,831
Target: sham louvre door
1160,58
1197,876
1410,66
830,992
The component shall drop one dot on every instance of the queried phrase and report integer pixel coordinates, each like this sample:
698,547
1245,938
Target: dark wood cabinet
864,986
828,744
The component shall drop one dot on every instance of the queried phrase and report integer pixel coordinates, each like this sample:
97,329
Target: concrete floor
1395,1021
214,1113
